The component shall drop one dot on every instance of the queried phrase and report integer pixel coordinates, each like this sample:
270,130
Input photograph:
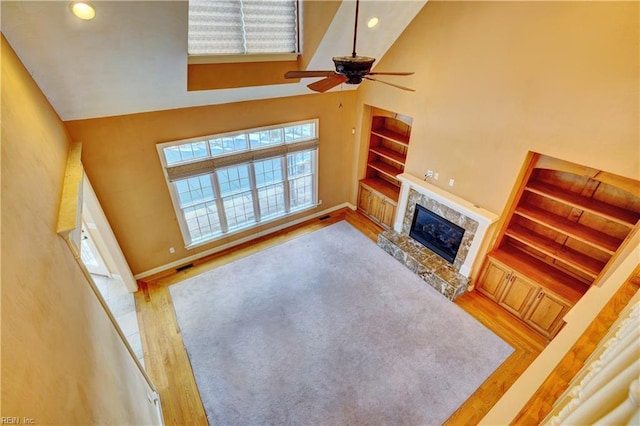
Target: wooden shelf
385,169
389,154
579,261
592,237
608,211
392,136
561,284
382,186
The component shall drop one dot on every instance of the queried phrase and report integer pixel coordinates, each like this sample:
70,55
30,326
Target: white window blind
232,27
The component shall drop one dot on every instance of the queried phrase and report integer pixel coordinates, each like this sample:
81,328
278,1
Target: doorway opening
106,273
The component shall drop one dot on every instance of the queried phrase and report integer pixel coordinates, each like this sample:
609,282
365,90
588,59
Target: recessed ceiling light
372,22
83,10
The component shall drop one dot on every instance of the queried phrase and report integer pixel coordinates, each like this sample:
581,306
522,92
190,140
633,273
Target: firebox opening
436,233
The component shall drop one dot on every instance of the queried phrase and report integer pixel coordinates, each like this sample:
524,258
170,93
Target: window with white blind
220,184
242,27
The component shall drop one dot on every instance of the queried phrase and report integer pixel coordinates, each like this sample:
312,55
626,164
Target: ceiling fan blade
305,74
327,83
391,84
391,73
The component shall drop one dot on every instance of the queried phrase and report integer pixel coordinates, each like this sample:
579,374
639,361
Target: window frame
282,152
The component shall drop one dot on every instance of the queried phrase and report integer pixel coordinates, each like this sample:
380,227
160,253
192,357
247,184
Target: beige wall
62,360
121,160
497,79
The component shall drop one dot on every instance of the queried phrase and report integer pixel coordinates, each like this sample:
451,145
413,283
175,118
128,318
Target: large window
223,183
241,27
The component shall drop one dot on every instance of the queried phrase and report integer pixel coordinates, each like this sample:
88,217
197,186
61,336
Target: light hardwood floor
168,365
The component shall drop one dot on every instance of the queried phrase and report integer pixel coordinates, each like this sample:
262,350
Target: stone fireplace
447,272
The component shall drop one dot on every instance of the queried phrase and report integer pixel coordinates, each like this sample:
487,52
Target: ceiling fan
349,69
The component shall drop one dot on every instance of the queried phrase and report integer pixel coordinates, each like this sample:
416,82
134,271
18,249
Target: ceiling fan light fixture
83,10
348,69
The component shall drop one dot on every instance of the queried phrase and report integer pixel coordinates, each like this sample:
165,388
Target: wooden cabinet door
375,206
517,295
387,213
546,314
364,199
493,279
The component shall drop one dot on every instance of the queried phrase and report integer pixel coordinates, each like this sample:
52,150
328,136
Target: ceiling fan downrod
355,30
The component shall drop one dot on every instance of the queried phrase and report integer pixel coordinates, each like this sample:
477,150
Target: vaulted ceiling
133,56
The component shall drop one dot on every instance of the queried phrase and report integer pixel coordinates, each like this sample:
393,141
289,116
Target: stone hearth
434,270
449,279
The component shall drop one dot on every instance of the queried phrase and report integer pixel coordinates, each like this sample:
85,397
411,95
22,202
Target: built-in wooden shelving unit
389,136
566,224
388,144
386,156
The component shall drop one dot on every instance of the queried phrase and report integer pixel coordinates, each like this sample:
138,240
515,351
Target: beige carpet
328,329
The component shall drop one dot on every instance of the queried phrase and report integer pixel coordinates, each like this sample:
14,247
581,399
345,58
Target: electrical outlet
451,182
172,250
428,174
436,175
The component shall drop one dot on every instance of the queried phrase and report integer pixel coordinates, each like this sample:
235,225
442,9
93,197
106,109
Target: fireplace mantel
476,220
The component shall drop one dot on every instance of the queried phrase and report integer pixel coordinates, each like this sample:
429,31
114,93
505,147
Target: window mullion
224,227
254,193
285,177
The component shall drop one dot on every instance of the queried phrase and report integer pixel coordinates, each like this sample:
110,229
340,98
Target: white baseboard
217,249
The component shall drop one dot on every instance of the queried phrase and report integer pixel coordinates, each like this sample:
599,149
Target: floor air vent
183,267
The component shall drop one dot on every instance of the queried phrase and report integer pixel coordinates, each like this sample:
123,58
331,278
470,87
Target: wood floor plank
168,365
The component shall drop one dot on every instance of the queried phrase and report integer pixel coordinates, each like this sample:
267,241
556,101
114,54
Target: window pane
301,192
265,138
202,221
216,146
228,144
172,155
268,171
233,179
240,143
194,190
182,185
239,210
300,132
271,200
300,163
275,137
185,152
